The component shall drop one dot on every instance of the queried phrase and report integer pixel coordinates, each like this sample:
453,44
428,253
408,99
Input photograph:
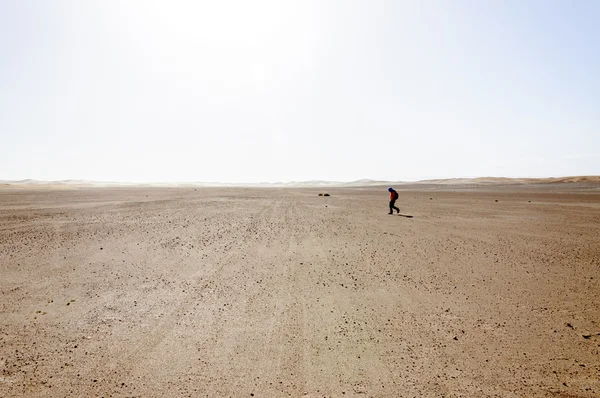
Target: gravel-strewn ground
271,292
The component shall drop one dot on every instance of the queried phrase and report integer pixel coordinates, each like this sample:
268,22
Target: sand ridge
593,181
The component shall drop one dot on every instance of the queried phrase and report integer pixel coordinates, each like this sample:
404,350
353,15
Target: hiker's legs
393,207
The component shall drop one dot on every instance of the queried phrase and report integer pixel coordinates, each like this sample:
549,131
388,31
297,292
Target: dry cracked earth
142,292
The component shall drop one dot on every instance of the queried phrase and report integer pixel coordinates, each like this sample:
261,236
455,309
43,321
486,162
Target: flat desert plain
180,292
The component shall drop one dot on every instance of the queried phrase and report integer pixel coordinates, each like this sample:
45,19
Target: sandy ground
270,293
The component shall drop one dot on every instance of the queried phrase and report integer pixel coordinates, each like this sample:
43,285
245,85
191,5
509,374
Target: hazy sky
298,90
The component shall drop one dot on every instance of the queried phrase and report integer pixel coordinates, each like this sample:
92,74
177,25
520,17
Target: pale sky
251,91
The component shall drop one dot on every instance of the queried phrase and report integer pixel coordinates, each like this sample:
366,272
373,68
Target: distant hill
574,179
478,181
512,181
304,184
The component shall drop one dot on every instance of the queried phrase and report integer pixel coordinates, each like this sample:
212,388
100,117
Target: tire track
125,365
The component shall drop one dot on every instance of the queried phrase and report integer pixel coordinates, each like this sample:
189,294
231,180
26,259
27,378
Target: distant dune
478,180
594,179
513,181
73,184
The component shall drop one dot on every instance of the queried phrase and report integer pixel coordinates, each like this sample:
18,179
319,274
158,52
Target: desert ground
487,291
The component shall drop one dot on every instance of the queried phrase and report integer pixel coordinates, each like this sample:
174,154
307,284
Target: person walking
393,198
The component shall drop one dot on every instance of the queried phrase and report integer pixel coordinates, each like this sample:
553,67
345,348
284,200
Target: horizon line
362,181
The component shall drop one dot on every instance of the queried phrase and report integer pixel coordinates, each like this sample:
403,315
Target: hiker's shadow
405,215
